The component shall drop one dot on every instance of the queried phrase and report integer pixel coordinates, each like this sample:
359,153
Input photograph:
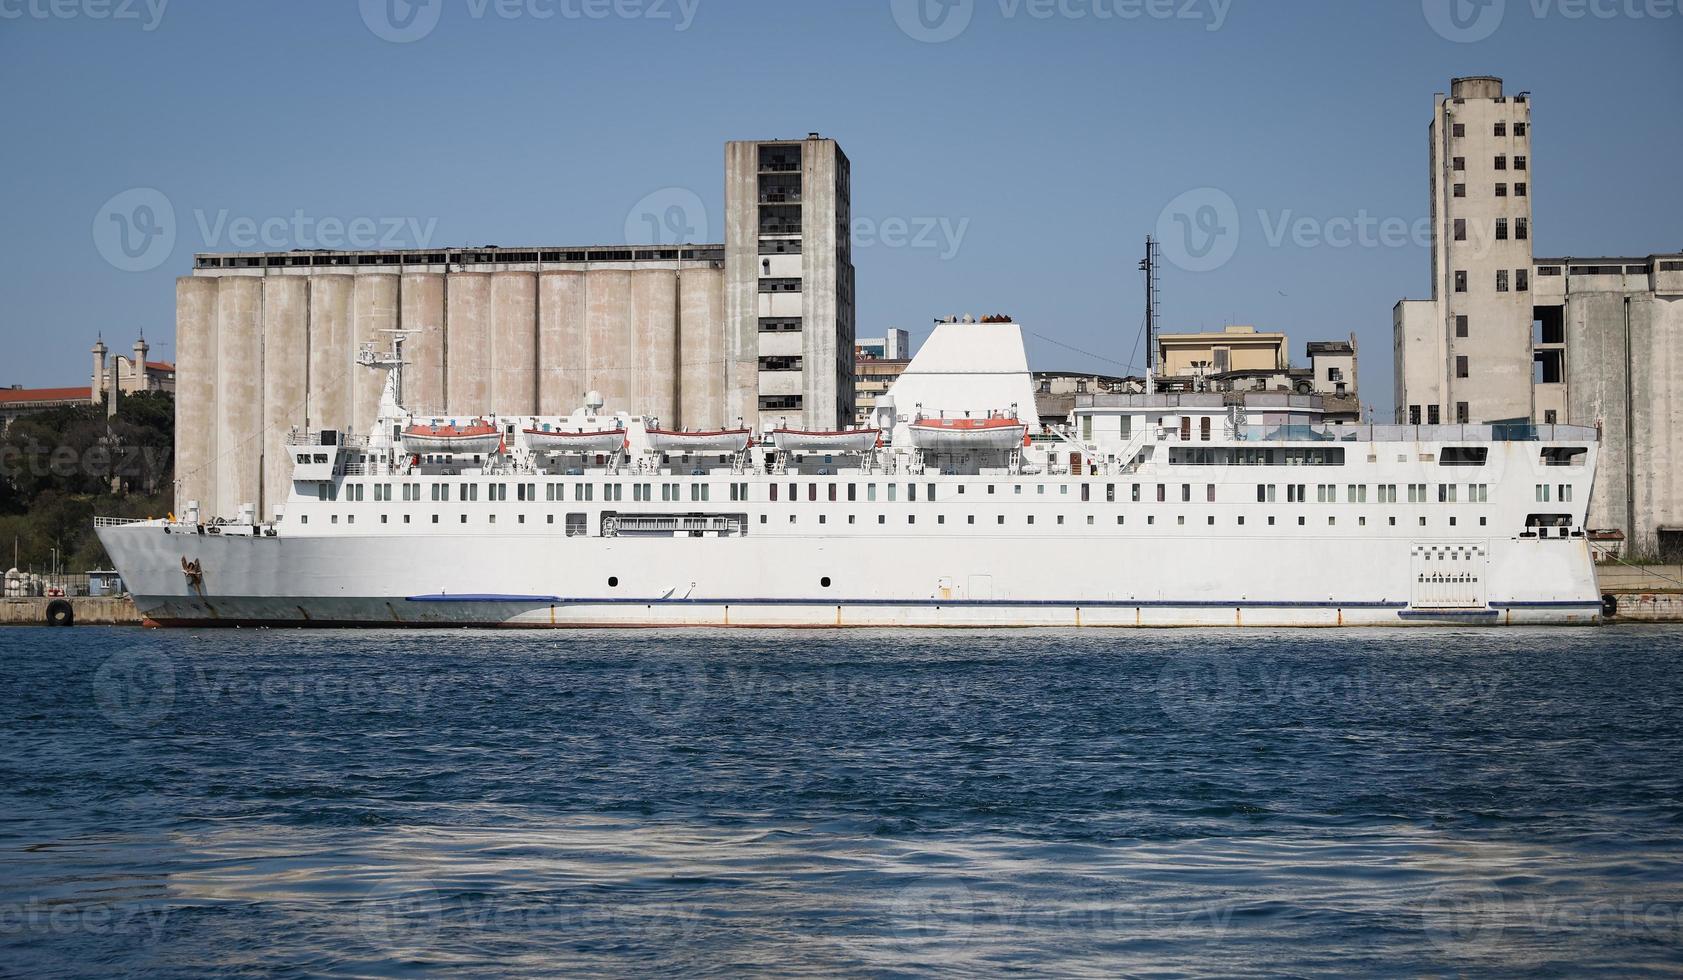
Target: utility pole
1148,265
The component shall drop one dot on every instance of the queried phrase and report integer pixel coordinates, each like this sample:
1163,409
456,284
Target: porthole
613,581
825,581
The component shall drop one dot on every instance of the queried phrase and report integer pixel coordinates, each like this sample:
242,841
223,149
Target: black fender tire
1609,605
61,613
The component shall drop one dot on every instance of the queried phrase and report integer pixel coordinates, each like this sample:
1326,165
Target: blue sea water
1156,803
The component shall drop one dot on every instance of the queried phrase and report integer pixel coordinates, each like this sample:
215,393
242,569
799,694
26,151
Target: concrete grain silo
329,395
467,343
286,369
195,391
422,311
239,390
373,317
514,343
563,354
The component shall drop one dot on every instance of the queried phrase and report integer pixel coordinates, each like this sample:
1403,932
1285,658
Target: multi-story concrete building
1508,336
1234,348
698,335
789,273
872,377
895,345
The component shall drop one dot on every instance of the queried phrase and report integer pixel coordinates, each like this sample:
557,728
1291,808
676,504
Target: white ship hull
1169,511
550,580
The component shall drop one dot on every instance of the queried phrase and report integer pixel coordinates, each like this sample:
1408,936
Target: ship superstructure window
1356,493
577,528
1446,493
1387,493
1542,493
1416,493
1265,493
1478,493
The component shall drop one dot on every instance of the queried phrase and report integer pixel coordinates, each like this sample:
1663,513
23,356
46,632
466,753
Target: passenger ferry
955,507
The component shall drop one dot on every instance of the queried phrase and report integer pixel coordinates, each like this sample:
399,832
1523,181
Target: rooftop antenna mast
1149,266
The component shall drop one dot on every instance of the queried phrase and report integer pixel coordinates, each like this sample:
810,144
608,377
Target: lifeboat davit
478,438
600,441
841,441
704,442
944,435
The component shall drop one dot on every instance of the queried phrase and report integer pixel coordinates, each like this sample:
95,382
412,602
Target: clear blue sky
1054,142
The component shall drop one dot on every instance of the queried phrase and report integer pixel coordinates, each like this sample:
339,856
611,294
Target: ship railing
118,521
1490,432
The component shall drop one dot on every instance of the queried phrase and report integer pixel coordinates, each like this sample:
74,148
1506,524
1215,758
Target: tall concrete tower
137,373
789,277
1465,355
98,386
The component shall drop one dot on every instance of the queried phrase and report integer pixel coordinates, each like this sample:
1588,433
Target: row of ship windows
1295,493
576,523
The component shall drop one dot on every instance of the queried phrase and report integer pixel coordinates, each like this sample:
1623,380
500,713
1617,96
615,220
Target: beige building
1465,354
1234,348
698,335
1508,336
130,374
873,376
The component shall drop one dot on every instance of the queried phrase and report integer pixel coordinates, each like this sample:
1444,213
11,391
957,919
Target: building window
1519,129
1501,235
1501,280
1501,129
1522,280
1432,415
1502,162
1519,189
1460,229
1501,190
1458,163
1549,416
1461,414
1461,366
1460,190
1458,129
1519,162
1414,415
1460,281
1461,325
1522,226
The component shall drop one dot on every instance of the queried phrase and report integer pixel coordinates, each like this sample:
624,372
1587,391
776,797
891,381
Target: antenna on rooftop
1148,265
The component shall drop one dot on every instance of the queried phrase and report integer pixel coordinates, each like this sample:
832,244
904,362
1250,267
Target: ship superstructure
955,507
